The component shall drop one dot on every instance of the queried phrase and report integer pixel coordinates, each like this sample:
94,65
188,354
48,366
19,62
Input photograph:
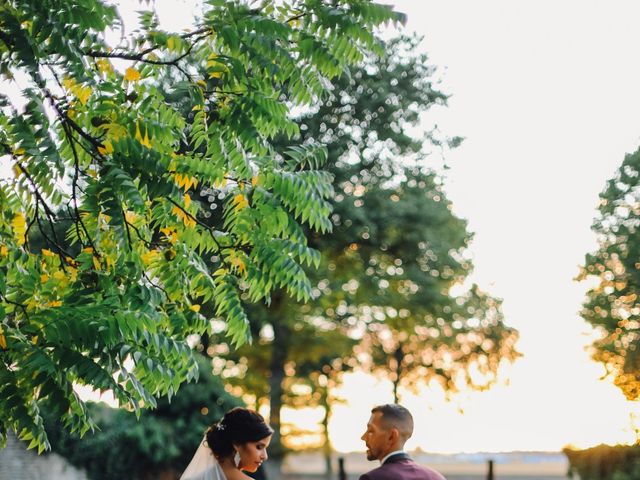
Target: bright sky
547,95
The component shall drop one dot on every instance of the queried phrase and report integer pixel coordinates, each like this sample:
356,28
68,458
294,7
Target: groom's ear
394,434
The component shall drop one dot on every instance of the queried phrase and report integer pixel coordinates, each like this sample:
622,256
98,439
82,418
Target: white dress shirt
389,455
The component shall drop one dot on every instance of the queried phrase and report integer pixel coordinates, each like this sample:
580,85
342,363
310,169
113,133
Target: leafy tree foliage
161,441
395,252
418,331
113,140
397,249
613,305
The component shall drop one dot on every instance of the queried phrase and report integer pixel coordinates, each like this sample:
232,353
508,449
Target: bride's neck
230,470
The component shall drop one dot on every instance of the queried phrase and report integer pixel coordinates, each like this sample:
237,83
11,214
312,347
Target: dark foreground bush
604,462
159,444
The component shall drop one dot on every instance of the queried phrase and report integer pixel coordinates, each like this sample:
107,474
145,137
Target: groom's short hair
396,416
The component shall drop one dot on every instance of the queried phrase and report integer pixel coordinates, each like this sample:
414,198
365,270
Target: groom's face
376,437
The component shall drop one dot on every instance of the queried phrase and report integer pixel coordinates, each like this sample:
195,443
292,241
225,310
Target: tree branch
199,222
139,57
22,306
74,183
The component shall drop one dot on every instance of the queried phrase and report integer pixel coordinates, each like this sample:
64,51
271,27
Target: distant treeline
605,462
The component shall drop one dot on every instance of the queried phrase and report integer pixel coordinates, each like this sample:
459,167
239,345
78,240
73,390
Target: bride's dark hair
237,427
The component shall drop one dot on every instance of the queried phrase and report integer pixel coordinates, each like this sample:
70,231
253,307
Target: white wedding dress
203,465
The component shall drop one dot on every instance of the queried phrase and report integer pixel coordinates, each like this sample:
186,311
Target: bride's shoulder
237,475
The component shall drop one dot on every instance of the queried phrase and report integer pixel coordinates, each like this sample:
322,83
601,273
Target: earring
236,459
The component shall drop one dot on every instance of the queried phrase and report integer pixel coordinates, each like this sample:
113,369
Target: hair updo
237,427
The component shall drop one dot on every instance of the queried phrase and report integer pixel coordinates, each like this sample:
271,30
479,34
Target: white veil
203,465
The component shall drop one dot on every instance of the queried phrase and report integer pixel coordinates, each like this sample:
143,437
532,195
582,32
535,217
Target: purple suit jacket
401,467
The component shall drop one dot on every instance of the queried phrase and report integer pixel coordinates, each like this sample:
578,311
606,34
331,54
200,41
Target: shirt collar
389,455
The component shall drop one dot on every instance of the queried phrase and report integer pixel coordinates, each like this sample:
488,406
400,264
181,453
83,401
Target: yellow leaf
68,83
44,278
184,181
83,94
170,233
240,202
19,225
171,43
48,253
146,141
143,141
149,257
130,217
54,303
187,200
87,250
114,130
59,275
195,307
3,340
104,65
182,215
107,148
239,264
20,151
254,181
34,339
4,251
96,263
73,273
131,74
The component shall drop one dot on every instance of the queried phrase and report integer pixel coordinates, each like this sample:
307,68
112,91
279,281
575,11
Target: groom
389,427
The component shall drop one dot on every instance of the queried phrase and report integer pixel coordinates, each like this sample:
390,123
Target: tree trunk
398,356
396,381
327,448
279,355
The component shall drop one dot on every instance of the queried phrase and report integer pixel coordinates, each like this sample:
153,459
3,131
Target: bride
235,444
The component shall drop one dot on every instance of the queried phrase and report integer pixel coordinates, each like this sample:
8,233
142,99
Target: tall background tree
117,153
612,307
387,269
